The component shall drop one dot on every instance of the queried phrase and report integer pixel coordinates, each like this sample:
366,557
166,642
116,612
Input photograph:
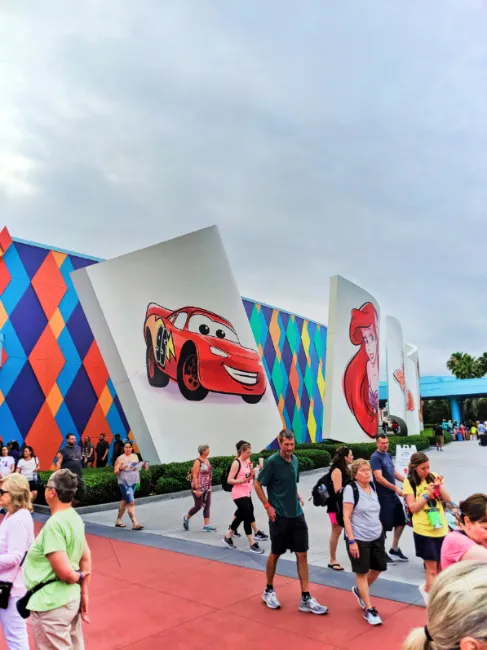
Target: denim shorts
127,492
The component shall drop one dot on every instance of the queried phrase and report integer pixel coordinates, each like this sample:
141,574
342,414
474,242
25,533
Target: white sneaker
270,599
424,594
372,616
312,606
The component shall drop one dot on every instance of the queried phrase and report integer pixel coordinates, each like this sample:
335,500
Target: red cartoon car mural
201,352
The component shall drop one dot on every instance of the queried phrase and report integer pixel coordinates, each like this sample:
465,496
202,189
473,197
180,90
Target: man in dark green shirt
287,525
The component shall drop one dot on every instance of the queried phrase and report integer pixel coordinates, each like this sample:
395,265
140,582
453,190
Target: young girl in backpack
364,535
339,475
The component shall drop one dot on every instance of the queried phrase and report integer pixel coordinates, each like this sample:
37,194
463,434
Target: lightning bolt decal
170,351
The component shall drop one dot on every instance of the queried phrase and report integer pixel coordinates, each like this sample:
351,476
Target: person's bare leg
336,531
121,512
363,588
270,568
303,573
398,530
431,568
372,576
33,495
131,511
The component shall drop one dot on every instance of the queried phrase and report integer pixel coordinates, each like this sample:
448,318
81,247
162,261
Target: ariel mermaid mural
361,377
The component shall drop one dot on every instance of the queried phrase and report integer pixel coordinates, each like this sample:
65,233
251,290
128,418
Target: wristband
81,576
351,541
267,506
425,497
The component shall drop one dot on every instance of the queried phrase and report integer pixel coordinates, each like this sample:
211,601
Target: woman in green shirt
60,555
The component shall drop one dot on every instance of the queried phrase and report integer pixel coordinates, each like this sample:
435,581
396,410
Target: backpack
226,486
320,494
356,497
408,513
189,475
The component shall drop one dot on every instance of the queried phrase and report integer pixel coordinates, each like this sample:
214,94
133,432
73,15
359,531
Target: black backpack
225,484
320,494
339,500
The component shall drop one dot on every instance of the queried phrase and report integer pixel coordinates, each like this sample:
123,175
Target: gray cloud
325,138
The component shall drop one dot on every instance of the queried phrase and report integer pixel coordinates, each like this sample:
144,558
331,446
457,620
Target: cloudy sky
322,137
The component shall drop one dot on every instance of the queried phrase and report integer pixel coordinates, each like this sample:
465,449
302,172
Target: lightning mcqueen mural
201,352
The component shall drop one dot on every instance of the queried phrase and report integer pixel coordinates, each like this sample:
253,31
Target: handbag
22,603
6,587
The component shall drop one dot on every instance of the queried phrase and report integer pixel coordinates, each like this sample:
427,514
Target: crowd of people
48,577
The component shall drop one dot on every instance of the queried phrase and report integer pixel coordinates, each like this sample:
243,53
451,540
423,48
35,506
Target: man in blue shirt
392,513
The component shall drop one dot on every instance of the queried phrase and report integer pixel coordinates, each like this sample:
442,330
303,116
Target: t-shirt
101,448
6,463
64,531
438,430
366,525
421,522
281,479
444,426
455,545
481,428
28,468
383,461
72,459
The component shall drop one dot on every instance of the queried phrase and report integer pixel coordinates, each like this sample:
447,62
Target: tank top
205,477
127,477
244,489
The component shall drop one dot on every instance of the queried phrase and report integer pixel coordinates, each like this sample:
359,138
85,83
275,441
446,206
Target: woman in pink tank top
241,477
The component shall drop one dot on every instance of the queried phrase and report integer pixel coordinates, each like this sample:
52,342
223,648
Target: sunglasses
2,492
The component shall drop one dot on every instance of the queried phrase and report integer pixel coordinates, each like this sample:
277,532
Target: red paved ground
144,598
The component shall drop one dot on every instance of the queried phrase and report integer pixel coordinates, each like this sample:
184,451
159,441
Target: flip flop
336,567
120,526
139,527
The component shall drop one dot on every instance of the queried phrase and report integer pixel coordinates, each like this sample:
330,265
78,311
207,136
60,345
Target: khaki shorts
58,628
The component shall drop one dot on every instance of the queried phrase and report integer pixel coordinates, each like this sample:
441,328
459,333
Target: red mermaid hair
355,379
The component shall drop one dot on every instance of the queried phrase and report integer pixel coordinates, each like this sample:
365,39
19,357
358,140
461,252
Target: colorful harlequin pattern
53,379
293,350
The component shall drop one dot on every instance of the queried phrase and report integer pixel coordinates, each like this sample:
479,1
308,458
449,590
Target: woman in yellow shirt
424,492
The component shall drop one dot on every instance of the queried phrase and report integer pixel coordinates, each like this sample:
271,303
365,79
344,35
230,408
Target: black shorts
288,535
33,486
372,556
428,548
392,513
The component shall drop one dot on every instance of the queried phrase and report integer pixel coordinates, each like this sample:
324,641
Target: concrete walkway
462,464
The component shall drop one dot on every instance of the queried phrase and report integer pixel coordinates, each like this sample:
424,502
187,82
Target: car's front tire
188,377
252,399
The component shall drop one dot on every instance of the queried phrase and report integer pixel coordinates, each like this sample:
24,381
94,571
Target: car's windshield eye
220,334
204,329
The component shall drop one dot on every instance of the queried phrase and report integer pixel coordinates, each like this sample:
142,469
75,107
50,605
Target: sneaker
255,548
261,536
390,560
235,534
355,592
372,616
398,555
424,594
228,541
209,529
312,606
270,599
185,523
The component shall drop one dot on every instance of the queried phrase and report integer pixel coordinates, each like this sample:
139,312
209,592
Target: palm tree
464,366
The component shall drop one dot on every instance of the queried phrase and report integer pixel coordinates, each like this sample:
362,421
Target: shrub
320,457
167,485
305,464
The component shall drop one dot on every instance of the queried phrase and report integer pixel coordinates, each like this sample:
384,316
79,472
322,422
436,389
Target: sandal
336,566
120,526
139,527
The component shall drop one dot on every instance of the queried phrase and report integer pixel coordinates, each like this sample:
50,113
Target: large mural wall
399,398
176,339
54,380
293,350
352,363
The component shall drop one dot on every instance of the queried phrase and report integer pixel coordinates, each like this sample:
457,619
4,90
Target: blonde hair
18,488
357,464
457,608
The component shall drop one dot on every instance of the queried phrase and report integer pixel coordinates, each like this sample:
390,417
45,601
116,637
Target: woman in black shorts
364,535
